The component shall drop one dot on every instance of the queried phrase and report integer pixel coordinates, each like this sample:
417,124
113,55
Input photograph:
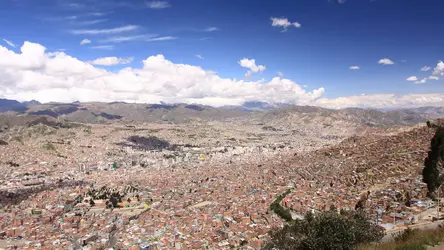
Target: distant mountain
119,111
277,115
12,105
434,112
32,102
253,106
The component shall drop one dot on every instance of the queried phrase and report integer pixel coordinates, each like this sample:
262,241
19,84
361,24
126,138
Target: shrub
328,230
49,146
404,235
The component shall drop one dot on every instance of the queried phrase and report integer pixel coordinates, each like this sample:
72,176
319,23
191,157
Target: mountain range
258,112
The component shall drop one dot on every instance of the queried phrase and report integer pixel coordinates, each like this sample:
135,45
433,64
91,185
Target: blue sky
332,37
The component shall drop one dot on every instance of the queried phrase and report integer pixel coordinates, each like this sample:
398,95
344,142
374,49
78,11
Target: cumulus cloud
200,57
158,4
85,41
109,61
105,31
354,67
412,79
433,78
32,57
426,68
45,76
251,65
439,69
56,76
386,61
283,23
9,43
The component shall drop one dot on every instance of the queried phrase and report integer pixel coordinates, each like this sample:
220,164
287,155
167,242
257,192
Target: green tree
433,163
326,231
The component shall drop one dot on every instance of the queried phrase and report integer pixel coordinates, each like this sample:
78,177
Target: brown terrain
192,177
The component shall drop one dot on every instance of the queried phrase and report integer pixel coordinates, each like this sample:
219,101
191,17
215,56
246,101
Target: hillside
357,160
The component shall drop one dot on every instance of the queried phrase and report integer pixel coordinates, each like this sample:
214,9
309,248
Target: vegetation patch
410,239
49,146
146,143
279,210
325,231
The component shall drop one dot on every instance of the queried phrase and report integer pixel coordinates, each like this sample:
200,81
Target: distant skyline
329,53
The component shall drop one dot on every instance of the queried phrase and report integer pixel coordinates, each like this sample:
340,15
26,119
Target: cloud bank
45,76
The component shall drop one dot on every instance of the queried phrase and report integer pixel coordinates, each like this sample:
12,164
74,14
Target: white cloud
162,38
424,80
158,4
91,22
384,101
85,41
9,43
354,67
426,68
251,65
433,78
119,39
211,29
34,73
283,22
412,79
439,70
145,38
200,57
386,61
97,14
32,57
75,5
103,47
105,31
280,74
110,61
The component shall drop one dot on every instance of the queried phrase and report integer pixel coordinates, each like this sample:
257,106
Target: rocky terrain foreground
199,182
